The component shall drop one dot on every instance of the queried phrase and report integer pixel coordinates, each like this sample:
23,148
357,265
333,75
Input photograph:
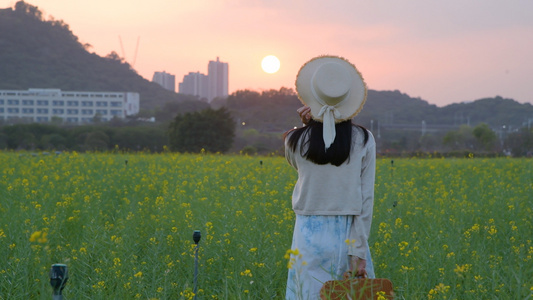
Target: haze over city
443,52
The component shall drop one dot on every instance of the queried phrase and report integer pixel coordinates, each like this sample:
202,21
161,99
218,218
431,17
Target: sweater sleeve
360,229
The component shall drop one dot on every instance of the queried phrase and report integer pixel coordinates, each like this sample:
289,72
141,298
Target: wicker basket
357,288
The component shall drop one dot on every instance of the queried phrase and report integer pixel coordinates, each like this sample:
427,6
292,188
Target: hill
38,53
275,111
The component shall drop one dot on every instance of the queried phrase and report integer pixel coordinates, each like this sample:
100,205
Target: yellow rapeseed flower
398,222
39,237
349,242
381,295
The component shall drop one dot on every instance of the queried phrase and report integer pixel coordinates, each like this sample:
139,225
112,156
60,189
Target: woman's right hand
357,266
305,114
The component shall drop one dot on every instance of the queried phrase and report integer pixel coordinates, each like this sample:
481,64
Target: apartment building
210,86
166,80
194,83
217,73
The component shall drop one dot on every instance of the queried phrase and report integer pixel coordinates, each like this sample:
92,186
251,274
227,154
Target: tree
3,141
97,140
520,143
171,109
429,143
461,139
211,130
28,9
485,136
114,56
53,141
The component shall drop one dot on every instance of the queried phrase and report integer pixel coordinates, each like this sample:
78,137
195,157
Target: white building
210,86
166,80
194,83
217,74
41,105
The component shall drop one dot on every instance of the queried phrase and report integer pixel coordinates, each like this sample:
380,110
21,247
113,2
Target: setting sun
270,64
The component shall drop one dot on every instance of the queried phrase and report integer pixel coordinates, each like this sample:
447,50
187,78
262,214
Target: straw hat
334,90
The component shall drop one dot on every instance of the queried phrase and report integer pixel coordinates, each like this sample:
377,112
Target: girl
334,195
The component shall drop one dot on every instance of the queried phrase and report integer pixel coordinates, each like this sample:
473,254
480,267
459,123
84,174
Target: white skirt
319,253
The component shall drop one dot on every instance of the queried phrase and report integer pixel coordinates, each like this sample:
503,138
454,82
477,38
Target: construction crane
135,54
124,52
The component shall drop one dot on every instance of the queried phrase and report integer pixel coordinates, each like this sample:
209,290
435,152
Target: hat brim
349,107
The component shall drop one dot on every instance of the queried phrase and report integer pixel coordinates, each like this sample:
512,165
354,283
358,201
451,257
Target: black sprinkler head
196,236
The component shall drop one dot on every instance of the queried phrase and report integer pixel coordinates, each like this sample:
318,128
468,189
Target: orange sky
441,51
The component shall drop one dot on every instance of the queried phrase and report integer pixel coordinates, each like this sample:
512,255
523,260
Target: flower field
123,223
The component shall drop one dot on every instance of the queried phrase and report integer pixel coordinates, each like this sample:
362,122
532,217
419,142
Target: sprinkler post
196,236
58,280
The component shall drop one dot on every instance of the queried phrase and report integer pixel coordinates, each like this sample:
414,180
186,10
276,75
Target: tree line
218,131
480,140
209,130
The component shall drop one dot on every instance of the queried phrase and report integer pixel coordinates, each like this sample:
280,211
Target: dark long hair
312,147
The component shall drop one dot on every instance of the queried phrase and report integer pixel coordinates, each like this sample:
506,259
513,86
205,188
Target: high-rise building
194,83
217,73
166,80
210,86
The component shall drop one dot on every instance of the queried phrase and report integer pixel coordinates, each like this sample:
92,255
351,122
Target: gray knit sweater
344,190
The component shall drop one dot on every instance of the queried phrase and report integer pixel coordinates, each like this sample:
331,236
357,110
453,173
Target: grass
123,223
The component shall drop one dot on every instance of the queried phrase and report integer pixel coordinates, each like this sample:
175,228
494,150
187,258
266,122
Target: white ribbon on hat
328,114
